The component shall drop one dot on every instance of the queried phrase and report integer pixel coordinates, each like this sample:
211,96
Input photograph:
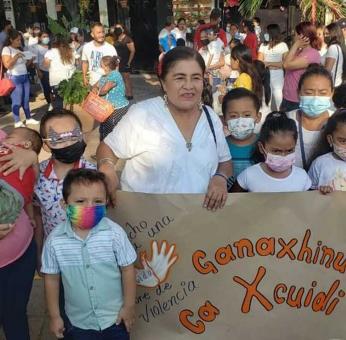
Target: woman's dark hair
239,93
308,30
250,26
234,41
179,54
339,97
12,35
42,33
207,93
274,123
65,51
111,61
275,35
180,20
323,146
244,56
315,70
264,73
82,176
337,37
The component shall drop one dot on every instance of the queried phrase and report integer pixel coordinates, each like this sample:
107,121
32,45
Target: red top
251,42
26,186
197,38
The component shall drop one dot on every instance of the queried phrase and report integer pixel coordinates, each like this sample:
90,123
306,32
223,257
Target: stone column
103,9
51,10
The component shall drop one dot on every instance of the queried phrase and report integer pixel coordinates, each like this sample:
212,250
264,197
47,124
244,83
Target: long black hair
337,38
244,56
323,146
275,122
275,36
264,73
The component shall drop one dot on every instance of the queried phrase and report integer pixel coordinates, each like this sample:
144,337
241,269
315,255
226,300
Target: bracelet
105,160
221,175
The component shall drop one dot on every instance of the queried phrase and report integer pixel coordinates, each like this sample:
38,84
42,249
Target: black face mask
328,39
205,42
69,154
118,31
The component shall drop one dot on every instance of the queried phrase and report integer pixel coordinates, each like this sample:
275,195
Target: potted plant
73,90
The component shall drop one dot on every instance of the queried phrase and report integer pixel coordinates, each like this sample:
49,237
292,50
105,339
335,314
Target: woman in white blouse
171,144
272,53
336,52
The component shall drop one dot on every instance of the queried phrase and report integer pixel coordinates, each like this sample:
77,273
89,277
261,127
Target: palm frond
248,8
334,6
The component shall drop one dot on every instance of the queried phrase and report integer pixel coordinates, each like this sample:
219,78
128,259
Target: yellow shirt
244,80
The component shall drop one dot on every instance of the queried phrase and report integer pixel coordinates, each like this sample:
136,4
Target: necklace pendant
189,146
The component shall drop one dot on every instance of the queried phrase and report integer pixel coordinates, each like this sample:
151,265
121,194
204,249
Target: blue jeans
15,286
21,96
112,333
287,106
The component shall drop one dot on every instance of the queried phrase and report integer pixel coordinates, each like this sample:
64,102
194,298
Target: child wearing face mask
112,88
328,171
315,91
240,108
275,170
109,284
61,131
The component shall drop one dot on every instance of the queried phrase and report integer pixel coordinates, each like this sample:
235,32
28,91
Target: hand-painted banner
267,266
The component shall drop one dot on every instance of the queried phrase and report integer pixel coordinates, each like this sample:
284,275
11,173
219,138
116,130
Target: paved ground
145,86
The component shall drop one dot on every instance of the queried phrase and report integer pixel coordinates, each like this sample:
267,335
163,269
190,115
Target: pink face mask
278,163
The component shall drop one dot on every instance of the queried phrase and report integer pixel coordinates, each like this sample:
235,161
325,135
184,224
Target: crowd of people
241,111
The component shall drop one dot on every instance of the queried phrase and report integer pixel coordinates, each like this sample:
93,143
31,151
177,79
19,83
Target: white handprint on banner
155,269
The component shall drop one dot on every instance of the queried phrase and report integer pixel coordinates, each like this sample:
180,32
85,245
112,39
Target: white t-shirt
39,52
204,52
328,170
274,55
255,179
215,47
157,159
93,55
57,70
323,54
19,67
334,51
178,34
32,41
310,139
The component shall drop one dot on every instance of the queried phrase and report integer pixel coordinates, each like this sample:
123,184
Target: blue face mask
314,106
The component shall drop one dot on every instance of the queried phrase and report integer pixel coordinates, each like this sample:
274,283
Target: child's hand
5,229
127,315
326,189
57,327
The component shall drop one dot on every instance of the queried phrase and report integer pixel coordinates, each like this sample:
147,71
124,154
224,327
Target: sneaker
19,124
31,121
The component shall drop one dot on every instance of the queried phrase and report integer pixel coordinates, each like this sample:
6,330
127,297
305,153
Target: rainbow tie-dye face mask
85,217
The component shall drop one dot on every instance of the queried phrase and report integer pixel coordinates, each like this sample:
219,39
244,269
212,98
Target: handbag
6,85
100,109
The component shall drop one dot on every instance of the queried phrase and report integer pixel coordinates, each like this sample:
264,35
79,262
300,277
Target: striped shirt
90,271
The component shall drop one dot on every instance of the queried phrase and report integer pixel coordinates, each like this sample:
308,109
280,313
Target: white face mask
241,128
340,152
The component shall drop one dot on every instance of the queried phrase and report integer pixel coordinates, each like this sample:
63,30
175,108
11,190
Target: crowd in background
241,111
